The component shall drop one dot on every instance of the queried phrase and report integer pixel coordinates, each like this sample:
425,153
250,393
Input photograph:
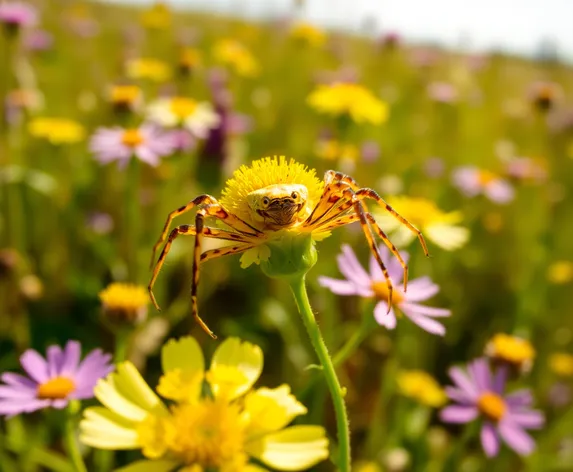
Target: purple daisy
480,393
472,181
52,381
147,143
18,14
373,285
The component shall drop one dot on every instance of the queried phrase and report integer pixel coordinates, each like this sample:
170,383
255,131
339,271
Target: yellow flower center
485,177
124,94
422,387
132,137
210,433
510,349
492,406
182,107
380,289
56,388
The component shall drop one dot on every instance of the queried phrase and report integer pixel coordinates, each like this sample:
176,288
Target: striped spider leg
242,233
342,195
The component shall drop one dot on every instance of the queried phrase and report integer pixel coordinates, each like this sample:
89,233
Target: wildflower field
395,219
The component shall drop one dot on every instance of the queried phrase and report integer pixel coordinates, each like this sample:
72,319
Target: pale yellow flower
148,69
421,387
57,130
197,117
560,272
236,56
198,432
438,226
349,99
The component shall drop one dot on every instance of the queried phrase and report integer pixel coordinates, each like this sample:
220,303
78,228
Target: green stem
298,287
132,216
70,440
452,463
121,344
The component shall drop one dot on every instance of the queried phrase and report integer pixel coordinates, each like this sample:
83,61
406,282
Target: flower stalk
70,440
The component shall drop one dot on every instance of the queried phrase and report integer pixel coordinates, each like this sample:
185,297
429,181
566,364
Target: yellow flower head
510,349
560,272
561,363
348,99
125,96
189,59
308,34
124,302
57,130
263,173
438,226
332,150
421,387
148,69
221,430
157,17
233,54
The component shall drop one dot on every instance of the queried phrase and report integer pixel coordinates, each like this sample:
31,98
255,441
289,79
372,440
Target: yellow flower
332,150
197,117
510,349
150,69
560,272
221,430
157,17
561,363
235,55
309,34
347,99
125,97
124,302
438,226
421,387
189,59
57,130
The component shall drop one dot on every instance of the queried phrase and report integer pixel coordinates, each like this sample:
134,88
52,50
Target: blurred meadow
474,150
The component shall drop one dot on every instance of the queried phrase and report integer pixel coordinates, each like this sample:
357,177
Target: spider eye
266,201
294,195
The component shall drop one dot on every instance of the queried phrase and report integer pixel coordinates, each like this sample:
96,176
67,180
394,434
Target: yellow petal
294,448
271,409
163,465
244,357
255,256
181,386
183,353
105,429
447,237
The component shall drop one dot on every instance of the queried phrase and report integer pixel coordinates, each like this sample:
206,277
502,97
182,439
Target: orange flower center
492,406
485,177
132,137
380,289
56,388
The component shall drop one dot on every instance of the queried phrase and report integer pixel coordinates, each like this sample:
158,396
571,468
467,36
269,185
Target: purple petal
489,440
499,380
459,414
59,403
383,317
416,309
350,267
459,396
515,437
342,287
421,293
461,379
93,367
427,324
18,380
519,398
54,357
72,353
34,365
499,191
528,419
15,407
16,392
481,375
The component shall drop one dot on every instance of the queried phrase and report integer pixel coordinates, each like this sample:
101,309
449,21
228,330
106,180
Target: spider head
278,205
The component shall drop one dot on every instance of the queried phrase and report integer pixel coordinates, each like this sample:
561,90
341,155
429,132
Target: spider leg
233,222
368,193
184,209
224,251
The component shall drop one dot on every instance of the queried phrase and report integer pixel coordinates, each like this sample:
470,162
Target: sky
517,26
